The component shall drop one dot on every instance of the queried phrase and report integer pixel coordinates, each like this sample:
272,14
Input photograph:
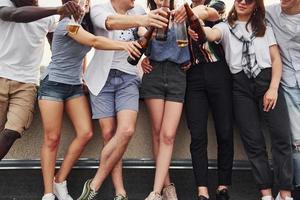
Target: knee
127,132
167,138
107,134
198,143
155,136
85,136
51,141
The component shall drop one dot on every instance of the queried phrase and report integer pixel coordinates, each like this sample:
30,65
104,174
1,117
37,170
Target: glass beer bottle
162,33
195,24
143,41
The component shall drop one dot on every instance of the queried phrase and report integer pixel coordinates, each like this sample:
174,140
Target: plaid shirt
249,62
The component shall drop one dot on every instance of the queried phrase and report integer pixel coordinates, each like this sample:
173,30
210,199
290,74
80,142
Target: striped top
208,52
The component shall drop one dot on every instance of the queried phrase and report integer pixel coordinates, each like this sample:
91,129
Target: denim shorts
120,92
54,91
166,81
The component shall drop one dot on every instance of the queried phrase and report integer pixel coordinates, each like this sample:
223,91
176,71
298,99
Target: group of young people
248,70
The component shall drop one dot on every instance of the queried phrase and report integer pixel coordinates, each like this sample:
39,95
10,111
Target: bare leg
116,147
80,115
52,113
171,118
156,111
108,127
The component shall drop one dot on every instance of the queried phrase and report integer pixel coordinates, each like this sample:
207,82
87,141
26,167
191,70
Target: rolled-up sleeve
99,16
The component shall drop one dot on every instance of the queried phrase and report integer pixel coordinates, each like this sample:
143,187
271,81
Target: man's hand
70,8
156,18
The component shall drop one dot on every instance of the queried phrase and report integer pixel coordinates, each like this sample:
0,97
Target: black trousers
210,85
248,109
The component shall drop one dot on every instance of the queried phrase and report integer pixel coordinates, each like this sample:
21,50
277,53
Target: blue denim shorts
120,92
54,91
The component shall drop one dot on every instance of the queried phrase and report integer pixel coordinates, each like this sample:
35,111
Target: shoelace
92,195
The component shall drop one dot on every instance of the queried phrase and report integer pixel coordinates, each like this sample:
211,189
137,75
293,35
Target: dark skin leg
7,139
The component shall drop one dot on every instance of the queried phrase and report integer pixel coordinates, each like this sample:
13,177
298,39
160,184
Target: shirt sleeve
99,16
270,36
6,3
223,28
139,10
53,21
61,28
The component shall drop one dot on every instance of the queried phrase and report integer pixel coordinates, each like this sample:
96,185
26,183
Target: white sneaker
61,191
267,198
48,196
154,196
286,198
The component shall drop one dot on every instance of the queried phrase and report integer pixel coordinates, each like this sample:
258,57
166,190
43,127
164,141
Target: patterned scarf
249,62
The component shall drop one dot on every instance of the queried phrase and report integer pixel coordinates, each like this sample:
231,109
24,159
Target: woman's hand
179,14
270,99
132,48
186,66
146,67
193,34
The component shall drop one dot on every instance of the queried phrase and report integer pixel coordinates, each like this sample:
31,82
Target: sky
47,54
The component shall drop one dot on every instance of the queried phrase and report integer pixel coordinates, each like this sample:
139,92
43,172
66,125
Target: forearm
206,13
119,22
212,34
26,14
104,43
276,66
276,73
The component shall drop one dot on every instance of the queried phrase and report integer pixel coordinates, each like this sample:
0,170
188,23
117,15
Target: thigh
156,112
80,115
127,93
21,106
196,108
171,118
126,120
52,115
4,98
247,116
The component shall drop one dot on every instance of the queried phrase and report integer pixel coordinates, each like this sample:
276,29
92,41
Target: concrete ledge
10,164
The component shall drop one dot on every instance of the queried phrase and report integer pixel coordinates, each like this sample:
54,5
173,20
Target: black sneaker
222,194
202,198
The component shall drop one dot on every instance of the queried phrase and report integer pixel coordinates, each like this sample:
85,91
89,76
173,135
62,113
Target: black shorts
166,81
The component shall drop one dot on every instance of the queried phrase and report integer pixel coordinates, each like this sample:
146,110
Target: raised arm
99,42
153,18
206,13
27,14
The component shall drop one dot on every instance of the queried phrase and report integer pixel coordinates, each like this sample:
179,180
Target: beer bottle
195,24
143,41
162,33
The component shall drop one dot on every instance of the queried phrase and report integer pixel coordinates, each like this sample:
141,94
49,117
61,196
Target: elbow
109,23
94,43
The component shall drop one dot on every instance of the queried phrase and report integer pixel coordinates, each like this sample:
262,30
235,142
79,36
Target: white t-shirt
22,47
100,65
233,47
